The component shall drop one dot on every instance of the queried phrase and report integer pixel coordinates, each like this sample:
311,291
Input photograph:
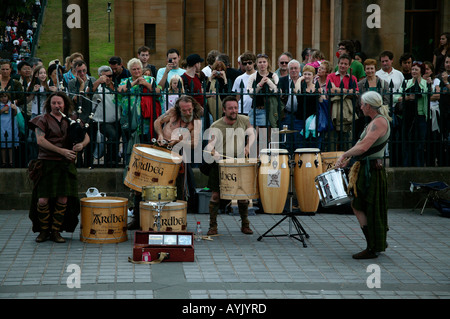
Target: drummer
183,115
370,187
227,125
169,127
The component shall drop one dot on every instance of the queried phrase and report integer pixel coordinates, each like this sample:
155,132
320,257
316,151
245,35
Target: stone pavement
237,266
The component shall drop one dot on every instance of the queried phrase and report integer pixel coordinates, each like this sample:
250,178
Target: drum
238,179
159,193
308,164
329,160
103,220
332,187
151,165
173,216
273,179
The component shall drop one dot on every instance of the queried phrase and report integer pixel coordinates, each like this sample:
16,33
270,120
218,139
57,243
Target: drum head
274,151
161,153
307,150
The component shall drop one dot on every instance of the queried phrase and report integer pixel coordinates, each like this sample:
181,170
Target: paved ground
237,266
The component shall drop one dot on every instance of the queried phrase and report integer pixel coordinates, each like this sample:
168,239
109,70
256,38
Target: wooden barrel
104,220
238,179
308,165
273,179
152,165
173,216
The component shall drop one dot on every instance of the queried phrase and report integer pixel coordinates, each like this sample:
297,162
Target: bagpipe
77,129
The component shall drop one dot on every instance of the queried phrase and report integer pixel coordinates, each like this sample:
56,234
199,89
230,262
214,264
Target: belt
261,107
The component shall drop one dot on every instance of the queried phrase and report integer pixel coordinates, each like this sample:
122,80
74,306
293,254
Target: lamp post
109,19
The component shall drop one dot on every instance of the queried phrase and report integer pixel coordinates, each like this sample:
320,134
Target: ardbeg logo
100,219
138,165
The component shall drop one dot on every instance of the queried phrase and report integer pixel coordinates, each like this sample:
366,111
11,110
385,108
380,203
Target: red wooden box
183,250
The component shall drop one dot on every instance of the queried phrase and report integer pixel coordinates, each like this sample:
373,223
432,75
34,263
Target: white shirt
395,75
246,97
109,106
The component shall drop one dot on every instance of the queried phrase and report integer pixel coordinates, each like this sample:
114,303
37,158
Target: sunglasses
262,55
247,63
109,75
284,62
418,62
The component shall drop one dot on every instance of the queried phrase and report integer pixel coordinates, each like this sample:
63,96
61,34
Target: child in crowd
8,112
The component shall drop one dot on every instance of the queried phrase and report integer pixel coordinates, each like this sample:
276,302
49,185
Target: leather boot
366,253
213,211
43,213
243,212
58,218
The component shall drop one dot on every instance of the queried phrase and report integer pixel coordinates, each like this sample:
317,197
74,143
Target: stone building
275,26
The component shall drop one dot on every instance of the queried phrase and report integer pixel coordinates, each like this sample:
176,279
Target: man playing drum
183,115
370,187
232,127
171,129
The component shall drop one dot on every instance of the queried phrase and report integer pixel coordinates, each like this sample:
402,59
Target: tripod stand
293,221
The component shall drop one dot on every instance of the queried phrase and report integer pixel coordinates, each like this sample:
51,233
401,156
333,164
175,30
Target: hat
193,59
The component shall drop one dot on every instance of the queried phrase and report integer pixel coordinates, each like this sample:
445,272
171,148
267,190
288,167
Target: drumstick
219,154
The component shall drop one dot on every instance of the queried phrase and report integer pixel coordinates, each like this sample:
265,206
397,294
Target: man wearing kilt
367,177
55,204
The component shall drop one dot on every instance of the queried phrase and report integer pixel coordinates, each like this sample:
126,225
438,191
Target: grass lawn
50,41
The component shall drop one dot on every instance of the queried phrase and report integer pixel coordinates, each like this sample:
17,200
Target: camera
217,72
170,60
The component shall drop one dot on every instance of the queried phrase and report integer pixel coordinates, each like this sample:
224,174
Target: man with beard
171,128
223,131
184,114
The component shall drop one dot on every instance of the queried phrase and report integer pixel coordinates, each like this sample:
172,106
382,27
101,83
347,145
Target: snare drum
308,164
332,187
273,179
159,193
329,160
152,165
238,179
103,220
173,216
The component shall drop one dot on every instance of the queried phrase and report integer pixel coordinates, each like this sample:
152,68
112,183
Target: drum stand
159,207
293,221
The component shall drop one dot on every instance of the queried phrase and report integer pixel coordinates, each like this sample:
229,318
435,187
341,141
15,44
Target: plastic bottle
198,234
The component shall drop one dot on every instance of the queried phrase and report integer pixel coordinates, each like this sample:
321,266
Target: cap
193,59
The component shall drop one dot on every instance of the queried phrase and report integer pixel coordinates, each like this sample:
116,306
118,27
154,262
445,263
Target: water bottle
198,234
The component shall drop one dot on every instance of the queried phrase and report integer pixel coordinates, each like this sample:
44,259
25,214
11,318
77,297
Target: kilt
59,178
371,188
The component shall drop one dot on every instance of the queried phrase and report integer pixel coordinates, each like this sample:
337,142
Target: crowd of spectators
307,94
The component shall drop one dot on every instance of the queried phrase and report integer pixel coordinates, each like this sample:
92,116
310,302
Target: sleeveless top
383,139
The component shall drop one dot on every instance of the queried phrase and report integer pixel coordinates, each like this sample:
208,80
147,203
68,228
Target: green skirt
371,188
59,179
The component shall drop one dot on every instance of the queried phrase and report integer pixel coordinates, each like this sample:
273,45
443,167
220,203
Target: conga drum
238,179
308,164
329,160
273,179
173,216
103,220
152,165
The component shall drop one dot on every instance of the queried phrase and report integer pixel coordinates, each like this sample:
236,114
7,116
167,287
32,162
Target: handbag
20,122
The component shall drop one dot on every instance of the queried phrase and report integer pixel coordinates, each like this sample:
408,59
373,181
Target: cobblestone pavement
237,266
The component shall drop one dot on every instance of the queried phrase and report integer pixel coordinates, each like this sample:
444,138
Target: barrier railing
328,122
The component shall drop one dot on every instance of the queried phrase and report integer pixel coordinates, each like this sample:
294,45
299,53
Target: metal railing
325,131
